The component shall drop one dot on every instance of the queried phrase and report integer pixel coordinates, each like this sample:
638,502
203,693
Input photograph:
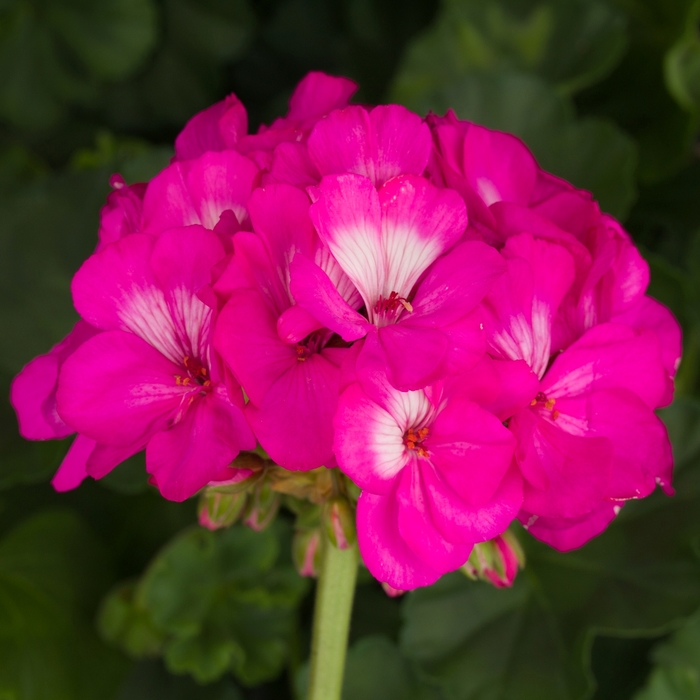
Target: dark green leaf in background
570,43
56,52
212,603
51,573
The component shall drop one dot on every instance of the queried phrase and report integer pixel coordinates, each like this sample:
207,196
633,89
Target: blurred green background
111,593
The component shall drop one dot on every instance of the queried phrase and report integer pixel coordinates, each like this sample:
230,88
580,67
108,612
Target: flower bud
262,506
496,561
339,521
306,551
217,510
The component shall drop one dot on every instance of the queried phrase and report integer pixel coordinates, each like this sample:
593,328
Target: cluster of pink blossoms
414,301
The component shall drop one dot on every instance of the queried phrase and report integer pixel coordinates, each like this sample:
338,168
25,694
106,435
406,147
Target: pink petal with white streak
117,389
198,191
384,550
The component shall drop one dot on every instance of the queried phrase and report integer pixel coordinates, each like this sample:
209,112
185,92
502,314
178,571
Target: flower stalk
335,592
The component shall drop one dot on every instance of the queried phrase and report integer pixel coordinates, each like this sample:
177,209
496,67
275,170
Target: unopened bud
496,561
217,510
306,551
242,475
339,521
391,591
262,506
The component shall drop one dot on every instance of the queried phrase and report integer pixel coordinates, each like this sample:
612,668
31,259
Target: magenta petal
317,94
73,470
383,549
417,528
498,166
412,370
313,291
117,389
246,338
460,522
116,289
471,449
252,259
649,314
280,216
419,223
292,165
566,534
641,448
216,128
294,423
104,458
610,356
381,144
456,283
192,453
295,324
565,475
182,258
198,191
501,387
33,390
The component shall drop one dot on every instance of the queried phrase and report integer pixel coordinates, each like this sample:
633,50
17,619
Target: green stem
334,595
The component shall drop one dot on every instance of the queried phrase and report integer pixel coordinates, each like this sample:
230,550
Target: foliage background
110,592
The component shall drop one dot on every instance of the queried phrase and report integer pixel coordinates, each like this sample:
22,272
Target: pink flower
589,435
389,243
121,215
151,379
217,128
276,350
434,469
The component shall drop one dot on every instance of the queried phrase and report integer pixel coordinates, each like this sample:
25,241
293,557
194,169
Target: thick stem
334,595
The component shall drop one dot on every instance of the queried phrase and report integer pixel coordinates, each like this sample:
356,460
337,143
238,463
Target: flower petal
347,215
117,389
294,422
33,390
383,549
192,453
72,471
246,338
198,191
381,144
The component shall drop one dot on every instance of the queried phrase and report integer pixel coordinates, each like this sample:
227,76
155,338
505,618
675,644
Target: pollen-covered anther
391,304
302,352
413,439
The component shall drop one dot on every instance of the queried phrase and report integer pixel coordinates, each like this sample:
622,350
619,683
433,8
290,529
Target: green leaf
635,94
571,43
186,74
682,64
51,574
218,601
375,670
55,52
592,154
677,672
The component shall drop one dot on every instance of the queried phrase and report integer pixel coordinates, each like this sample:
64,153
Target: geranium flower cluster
414,301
